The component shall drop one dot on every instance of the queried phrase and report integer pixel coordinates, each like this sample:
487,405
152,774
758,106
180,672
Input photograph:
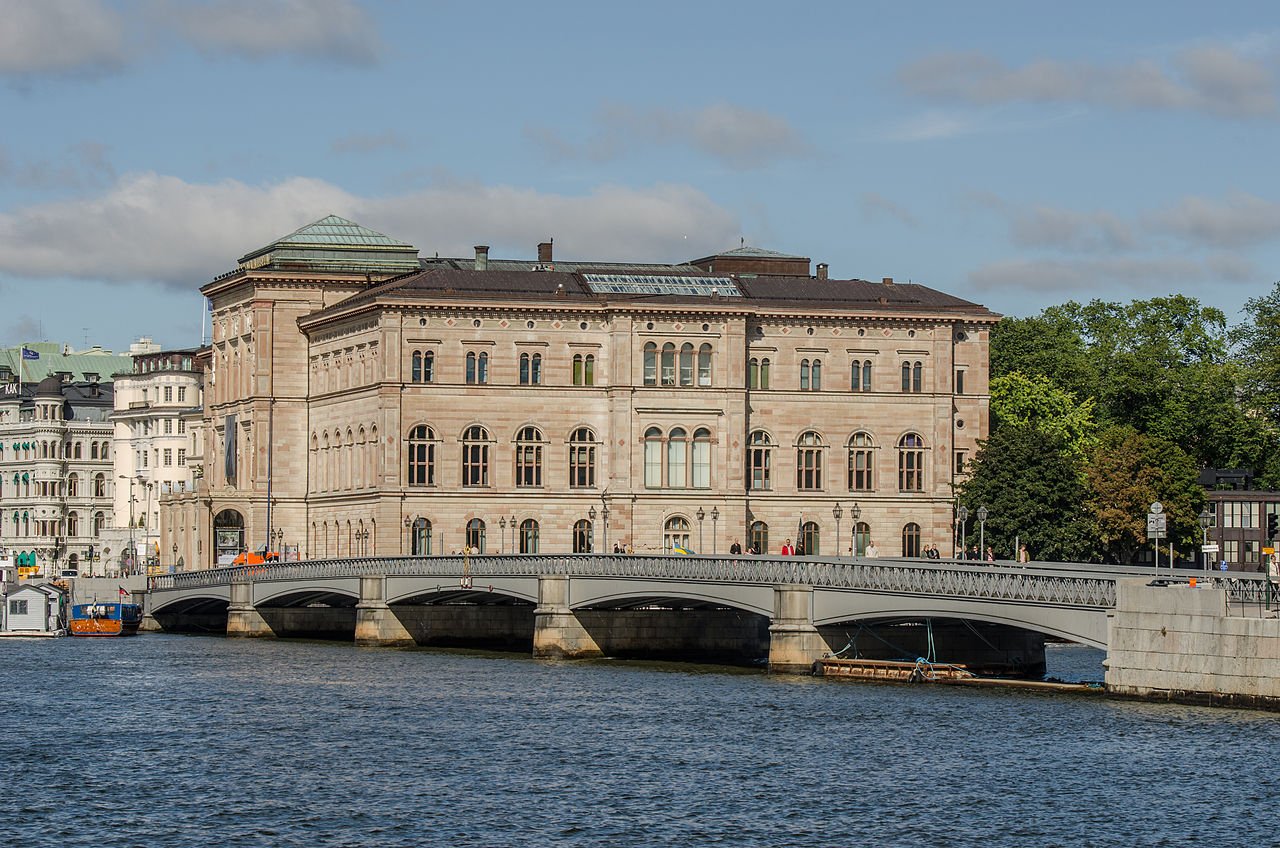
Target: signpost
1157,525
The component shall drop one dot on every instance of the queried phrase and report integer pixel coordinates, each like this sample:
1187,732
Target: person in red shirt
787,549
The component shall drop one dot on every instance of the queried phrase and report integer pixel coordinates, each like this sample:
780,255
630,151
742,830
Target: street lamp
1206,519
133,550
837,513
591,517
502,528
174,562
715,517
604,524
962,513
982,532
855,512
700,514
515,548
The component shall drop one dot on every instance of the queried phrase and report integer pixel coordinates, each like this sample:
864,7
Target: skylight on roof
658,284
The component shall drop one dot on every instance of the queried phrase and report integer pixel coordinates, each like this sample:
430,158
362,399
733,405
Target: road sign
1211,548
1157,523
1157,507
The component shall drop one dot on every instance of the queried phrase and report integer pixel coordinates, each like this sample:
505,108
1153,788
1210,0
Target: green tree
1034,493
1129,471
1048,345
1035,400
1257,342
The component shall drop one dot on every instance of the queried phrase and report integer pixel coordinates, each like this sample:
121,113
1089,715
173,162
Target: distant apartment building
56,474
152,445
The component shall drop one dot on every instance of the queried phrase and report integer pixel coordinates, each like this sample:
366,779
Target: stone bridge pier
376,624
243,618
557,632
794,641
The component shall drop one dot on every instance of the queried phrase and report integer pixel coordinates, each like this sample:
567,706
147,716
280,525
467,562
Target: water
168,740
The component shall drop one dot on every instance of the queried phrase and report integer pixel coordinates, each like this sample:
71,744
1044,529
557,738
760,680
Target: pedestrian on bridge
735,549
788,549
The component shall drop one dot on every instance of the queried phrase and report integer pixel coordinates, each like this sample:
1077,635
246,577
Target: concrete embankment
1187,644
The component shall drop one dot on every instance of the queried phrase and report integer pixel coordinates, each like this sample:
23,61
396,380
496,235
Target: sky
1016,154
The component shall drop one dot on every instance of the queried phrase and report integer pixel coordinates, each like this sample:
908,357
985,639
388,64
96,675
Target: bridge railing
1090,586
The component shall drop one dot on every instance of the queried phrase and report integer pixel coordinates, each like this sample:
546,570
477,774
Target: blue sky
1017,154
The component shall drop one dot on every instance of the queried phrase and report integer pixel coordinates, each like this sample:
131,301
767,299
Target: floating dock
923,671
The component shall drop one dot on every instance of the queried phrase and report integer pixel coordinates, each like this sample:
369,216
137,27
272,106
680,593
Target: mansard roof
334,243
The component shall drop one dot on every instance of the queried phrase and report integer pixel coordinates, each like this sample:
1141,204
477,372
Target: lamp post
837,513
174,562
502,533
962,514
591,517
700,514
133,551
855,512
1206,519
279,543
715,517
982,532
515,548
604,524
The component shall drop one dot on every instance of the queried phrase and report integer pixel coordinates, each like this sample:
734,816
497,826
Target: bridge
793,610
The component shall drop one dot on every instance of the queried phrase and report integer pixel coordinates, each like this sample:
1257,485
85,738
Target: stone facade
530,406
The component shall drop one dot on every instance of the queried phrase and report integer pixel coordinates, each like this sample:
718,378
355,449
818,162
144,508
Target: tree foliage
1034,493
1036,401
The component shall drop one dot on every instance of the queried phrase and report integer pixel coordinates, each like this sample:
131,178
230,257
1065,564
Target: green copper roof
56,358
335,243
333,229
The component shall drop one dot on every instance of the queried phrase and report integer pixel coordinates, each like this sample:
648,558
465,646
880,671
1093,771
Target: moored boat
105,619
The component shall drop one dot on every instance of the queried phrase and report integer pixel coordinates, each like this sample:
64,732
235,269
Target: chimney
544,252
888,281
822,270
482,257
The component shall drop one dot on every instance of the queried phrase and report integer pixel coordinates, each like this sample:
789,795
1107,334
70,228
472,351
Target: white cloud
60,37
81,165
1064,229
876,205
160,228
739,137
337,30
1238,220
1211,78
1069,277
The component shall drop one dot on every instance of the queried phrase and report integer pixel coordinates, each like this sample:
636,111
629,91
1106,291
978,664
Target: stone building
361,400
151,441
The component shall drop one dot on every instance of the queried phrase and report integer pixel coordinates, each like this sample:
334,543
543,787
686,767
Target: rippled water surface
190,741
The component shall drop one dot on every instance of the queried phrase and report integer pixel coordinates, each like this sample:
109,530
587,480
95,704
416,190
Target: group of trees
1099,409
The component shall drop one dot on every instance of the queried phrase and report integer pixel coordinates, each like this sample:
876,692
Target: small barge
923,671
103,619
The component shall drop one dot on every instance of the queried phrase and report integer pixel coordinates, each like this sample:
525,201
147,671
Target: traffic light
1273,525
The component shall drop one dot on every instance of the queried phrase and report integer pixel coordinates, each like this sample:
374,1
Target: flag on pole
28,353
123,592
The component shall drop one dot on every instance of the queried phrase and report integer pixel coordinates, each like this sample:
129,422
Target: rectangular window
182,457
960,461
168,457
182,394
144,459
168,426
1250,551
959,381
1231,551
17,607
1239,515
168,394
653,463
182,426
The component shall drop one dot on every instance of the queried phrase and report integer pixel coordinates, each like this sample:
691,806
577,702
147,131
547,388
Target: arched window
475,456
582,458
912,376
653,458
809,461
911,463
105,452
759,537
99,521
584,368
911,540
73,524
77,450
100,486
528,536
702,458
422,456
686,364
416,372
529,457
809,539
93,450
860,379
73,485
704,365
475,536
862,451
477,369
583,541
675,533
669,364
861,538
420,537
530,369
677,458
760,461
810,375
650,364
